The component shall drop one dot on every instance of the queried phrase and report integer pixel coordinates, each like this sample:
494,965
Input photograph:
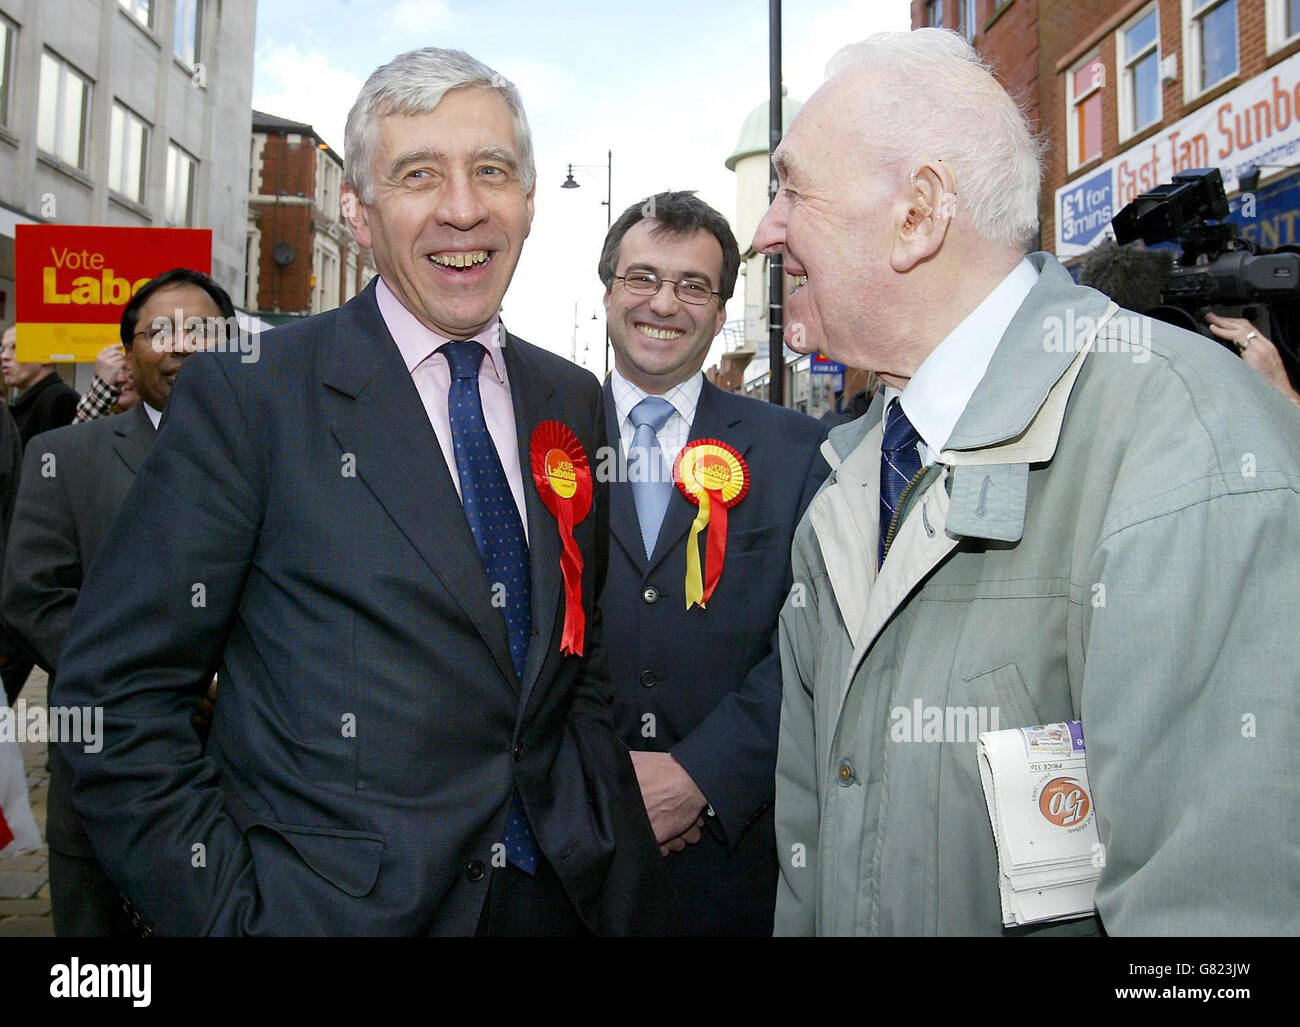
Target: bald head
926,94
908,190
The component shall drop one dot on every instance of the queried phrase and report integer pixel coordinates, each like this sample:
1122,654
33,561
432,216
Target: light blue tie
652,482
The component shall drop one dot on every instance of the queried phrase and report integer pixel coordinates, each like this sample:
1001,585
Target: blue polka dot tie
899,463
499,534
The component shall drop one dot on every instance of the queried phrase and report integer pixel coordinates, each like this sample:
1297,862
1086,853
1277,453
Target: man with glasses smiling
698,690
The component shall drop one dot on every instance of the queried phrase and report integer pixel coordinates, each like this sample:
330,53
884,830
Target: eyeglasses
647,283
188,340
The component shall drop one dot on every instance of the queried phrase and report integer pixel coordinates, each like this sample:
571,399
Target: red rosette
715,477
563,479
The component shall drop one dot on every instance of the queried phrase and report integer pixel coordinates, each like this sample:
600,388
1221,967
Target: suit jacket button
845,774
475,870
648,678
517,752
650,594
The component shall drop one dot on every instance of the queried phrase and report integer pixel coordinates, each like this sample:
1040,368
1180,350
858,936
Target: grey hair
933,97
415,83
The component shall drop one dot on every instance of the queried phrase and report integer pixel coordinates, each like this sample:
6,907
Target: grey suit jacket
73,483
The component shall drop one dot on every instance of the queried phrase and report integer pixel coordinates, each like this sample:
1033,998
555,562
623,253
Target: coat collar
1024,365
133,435
29,394
381,421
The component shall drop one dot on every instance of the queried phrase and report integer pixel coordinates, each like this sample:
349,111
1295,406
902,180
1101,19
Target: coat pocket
754,540
1003,690
349,860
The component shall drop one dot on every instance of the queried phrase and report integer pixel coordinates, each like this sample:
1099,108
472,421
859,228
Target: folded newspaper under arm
1040,805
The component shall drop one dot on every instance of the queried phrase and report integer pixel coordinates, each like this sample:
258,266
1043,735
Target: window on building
1085,87
966,19
63,111
8,38
182,174
1283,23
934,13
1138,45
128,153
325,266
328,178
188,39
1211,43
141,10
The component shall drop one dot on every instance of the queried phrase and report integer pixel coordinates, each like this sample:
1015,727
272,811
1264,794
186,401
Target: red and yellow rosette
563,479
715,477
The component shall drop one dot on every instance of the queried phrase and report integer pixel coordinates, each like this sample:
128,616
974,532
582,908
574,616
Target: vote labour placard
72,281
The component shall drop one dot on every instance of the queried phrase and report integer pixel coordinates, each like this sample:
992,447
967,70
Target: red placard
72,281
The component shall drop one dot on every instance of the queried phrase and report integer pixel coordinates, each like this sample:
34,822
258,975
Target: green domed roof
753,134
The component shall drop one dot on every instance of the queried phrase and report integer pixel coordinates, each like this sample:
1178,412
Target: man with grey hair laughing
385,536
1056,511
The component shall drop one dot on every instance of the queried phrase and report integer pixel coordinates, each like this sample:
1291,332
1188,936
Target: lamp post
776,270
571,183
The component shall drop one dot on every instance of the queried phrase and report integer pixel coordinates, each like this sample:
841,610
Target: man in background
74,483
697,686
44,401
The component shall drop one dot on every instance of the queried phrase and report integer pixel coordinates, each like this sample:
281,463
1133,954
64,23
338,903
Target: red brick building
1135,92
1005,32
301,257
1129,92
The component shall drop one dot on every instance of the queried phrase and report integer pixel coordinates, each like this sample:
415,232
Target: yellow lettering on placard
50,292
108,288
85,290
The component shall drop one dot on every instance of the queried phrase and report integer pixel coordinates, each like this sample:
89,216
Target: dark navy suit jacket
711,678
296,528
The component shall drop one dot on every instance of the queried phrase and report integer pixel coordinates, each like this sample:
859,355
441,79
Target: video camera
1217,269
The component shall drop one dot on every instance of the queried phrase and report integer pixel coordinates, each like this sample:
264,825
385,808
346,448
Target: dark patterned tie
899,463
499,534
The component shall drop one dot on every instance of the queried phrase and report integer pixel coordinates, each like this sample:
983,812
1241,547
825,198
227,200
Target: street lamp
571,183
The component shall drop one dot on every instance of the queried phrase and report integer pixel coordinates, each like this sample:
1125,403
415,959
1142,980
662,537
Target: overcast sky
665,85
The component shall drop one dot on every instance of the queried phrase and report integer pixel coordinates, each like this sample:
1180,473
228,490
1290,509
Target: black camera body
1217,270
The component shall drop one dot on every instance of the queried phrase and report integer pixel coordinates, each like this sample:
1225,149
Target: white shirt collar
939,391
154,415
684,396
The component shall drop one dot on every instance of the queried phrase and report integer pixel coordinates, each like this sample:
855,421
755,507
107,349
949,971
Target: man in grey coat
1055,510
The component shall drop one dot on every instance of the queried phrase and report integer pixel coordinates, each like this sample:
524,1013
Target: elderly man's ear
931,203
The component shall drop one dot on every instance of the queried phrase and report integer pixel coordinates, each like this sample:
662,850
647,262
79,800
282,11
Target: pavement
25,880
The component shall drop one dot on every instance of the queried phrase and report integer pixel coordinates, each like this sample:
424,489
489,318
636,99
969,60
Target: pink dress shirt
432,377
